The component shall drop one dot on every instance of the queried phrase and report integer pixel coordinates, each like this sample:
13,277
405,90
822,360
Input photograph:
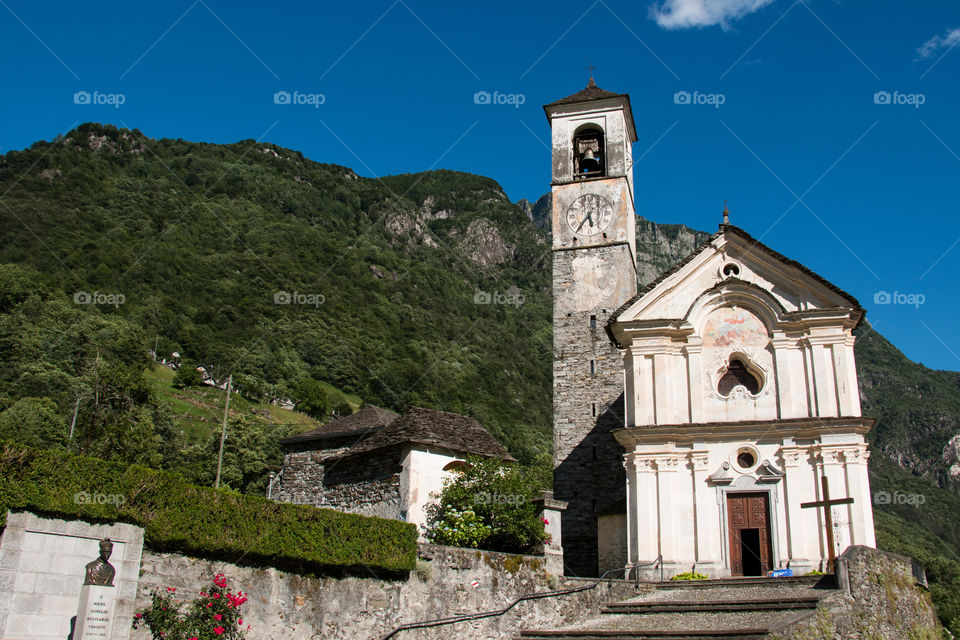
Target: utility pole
223,433
73,423
155,346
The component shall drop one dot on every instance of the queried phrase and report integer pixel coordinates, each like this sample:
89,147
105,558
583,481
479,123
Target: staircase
735,608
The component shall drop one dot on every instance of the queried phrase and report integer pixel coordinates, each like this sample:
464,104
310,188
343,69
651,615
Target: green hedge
201,521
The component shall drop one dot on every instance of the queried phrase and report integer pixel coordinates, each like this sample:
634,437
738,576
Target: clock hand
584,220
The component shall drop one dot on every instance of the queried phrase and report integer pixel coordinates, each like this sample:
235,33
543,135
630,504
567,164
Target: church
699,419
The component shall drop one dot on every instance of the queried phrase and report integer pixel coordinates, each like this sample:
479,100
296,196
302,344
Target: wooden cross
827,504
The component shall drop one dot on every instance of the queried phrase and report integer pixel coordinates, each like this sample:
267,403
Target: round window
746,458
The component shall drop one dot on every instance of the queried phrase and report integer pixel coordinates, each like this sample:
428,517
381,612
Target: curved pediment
734,267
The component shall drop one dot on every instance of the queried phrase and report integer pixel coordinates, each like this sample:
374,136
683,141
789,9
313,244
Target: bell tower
594,273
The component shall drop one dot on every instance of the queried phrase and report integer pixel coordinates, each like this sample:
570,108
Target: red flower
218,617
171,589
218,630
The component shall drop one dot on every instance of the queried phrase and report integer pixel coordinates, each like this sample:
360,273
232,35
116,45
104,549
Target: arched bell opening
589,153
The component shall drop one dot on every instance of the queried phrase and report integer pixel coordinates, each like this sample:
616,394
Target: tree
34,422
311,399
488,504
187,376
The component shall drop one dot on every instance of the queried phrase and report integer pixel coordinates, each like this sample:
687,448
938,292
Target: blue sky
837,141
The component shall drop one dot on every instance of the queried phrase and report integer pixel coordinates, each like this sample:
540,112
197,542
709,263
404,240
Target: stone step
758,634
679,606
680,624
732,594
824,581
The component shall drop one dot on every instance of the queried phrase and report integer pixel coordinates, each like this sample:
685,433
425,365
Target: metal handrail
530,596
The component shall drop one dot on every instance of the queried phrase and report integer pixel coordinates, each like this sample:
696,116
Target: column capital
793,456
699,460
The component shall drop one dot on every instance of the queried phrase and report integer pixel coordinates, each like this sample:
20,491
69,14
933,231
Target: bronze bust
100,572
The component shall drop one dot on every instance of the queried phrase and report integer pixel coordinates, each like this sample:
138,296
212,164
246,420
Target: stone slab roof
439,429
368,419
591,92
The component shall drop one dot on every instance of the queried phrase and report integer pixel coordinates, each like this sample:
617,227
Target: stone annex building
377,463
692,418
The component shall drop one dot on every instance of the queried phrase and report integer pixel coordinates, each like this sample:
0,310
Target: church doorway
748,515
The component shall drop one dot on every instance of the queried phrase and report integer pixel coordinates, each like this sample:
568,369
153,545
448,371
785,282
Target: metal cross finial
591,69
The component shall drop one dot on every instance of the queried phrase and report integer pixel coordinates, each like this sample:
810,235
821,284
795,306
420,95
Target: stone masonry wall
881,601
369,485
295,607
588,461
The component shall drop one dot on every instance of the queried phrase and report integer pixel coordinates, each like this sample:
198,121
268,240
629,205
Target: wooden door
748,515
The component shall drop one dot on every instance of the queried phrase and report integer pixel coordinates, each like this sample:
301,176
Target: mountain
428,289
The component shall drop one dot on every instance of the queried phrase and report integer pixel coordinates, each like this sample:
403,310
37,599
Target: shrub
213,614
689,575
209,523
487,504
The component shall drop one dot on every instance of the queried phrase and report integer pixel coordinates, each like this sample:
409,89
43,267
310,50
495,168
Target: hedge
200,521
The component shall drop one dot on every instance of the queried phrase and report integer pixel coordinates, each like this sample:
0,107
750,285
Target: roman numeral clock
590,214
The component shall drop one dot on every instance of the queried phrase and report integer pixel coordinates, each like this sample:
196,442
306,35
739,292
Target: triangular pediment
732,264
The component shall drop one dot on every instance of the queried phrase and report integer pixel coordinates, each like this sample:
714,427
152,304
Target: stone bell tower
594,273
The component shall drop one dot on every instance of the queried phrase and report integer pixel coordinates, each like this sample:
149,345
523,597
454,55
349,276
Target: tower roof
591,92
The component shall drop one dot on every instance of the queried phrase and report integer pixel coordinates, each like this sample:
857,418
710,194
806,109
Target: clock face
589,214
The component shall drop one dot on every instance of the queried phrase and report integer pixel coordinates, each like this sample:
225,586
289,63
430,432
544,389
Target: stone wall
881,600
369,485
448,581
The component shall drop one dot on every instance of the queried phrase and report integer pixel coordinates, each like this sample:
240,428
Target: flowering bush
213,614
487,504
459,528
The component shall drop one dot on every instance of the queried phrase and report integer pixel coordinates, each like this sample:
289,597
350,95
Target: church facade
708,408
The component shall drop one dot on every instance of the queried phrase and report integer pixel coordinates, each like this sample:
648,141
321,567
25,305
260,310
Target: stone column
824,375
646,517
858,487
667,494
707,547
694,355
550,510
832,461
630,466
789,384
799,486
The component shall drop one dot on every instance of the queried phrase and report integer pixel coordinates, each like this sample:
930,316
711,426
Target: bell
589,162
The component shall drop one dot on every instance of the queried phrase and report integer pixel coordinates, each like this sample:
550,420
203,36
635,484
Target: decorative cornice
796,428
722,475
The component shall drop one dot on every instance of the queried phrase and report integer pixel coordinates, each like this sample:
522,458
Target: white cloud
686,14
934,44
